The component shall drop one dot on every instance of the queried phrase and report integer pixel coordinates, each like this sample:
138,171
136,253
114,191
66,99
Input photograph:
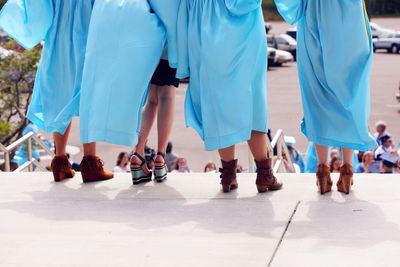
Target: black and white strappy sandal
138,174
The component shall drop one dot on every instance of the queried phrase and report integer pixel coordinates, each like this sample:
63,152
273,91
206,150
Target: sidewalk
187,221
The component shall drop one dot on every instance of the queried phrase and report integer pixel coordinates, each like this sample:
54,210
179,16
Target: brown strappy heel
324,181
346,179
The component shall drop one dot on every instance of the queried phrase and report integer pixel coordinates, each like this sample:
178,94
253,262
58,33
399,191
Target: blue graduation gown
124,47
334,61
63,25
222,46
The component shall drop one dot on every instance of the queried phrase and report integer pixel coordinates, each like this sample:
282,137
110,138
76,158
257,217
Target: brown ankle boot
324,181
61,168
345,179
265,177
92,170
228,176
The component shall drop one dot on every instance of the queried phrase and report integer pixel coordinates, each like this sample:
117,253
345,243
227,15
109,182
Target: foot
228,176
92,170
61,168
140,172
345,179
266,180
324,181
160,168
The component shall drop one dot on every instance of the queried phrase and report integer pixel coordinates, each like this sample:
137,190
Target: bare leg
60,141
258,145
322,153
348,156
227,154
166,110
89,149
148,116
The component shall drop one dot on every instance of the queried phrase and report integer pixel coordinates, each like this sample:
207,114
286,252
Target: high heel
228,176
345,179
324,181
265,177
61,168
92,170
160,172
138,174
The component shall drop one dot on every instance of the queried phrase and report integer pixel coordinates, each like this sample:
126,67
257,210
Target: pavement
284,107
188,221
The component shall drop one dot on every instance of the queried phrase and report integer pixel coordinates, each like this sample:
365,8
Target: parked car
390,42
292,32
283,57
283,42
378,31
272,57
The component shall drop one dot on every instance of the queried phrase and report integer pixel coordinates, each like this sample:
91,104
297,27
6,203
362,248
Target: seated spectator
389,163
385,147
122,163
181,166
335,165
334,153
367,160
380,131
296,157
210,167
170,157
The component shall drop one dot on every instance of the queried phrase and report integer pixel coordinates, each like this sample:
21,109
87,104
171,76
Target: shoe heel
59,176
262,188
160,174
321,183
139,176
226,188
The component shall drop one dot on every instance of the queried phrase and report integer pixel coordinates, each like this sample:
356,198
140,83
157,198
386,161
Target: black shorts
165,75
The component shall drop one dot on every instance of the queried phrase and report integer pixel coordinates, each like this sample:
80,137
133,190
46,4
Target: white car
378,31
283,57
389,41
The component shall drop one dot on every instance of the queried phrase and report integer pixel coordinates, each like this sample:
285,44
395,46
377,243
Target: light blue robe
63,25
334,61
124,47
222,46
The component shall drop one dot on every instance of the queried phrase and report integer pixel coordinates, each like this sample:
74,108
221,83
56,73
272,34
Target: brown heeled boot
92,170
228,176
324,181
345,179
265,177
61,168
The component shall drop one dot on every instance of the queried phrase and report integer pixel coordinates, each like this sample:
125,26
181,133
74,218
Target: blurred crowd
384,159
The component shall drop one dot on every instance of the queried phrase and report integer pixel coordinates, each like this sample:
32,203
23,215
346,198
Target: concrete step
188,221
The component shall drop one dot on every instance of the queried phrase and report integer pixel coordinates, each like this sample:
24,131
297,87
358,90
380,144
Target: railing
28,138
282,161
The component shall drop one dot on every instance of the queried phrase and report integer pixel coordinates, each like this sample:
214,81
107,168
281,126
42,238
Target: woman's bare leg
227,154
60,142
258,145
348,156
148,116
89,149
322,153
165,120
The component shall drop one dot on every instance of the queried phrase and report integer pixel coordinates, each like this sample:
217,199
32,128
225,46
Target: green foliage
2,2
17,75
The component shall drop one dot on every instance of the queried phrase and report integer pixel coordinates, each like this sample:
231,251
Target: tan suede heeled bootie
324,181
61,168
92,170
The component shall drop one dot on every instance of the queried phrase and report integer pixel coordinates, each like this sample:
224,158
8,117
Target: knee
166,94
152,101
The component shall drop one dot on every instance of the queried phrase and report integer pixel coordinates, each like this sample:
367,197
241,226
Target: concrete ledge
187,221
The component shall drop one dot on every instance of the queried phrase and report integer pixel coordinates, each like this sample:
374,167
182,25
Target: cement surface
188,221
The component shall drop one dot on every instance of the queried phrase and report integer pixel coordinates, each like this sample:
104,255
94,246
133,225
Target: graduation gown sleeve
241,7
167,11
291,10
27,21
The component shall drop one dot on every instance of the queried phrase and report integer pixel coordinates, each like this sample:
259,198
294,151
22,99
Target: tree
17,76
